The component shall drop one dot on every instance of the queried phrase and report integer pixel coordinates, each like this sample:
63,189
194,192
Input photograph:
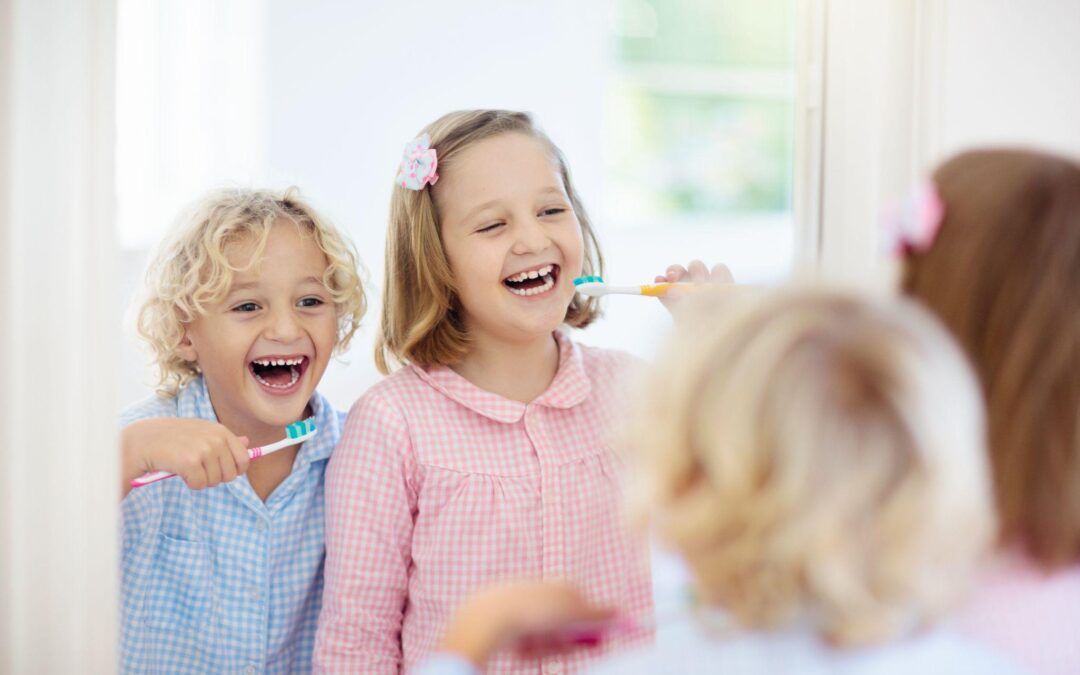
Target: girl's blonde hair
191,270
420,321
816,457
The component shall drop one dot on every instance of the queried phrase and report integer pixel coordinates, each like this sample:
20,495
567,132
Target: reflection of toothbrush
594,633
595,286
298,432
591,634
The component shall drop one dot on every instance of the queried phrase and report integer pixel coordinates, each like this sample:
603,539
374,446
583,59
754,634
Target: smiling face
512,238
264,347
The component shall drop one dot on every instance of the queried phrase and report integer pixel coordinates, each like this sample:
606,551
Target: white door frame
59,483
868,124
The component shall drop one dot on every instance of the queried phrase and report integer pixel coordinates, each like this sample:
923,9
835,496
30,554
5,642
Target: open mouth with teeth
278,373
533,282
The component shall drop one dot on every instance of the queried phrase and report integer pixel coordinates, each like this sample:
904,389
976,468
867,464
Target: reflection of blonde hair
191,270
420,320
816,457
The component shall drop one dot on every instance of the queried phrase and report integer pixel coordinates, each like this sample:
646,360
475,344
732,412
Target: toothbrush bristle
592,278
298,429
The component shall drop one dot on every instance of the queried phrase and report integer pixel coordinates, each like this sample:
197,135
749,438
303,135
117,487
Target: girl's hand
533,617
696,272
202,453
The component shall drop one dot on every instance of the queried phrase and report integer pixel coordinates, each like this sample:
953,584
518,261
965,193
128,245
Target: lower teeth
295,376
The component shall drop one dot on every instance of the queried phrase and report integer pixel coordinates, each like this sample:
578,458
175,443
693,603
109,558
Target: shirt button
256,594
260,524
553,667
250,670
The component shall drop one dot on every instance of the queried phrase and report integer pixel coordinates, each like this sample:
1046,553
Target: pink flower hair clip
914,227
418,164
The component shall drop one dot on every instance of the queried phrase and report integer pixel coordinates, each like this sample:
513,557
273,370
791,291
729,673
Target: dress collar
570,387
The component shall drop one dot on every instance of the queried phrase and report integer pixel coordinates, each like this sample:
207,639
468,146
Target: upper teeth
536,290
279,362
532,274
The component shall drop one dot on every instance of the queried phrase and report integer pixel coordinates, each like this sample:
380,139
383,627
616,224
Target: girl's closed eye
490,228
553,211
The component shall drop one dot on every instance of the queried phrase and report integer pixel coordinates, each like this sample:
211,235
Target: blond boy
222,565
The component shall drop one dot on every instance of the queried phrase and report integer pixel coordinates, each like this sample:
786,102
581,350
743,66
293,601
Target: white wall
909,82
1012,74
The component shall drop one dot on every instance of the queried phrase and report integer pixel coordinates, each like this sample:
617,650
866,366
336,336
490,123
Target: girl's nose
532,236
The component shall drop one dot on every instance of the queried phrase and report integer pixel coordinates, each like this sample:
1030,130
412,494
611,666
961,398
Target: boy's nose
283,326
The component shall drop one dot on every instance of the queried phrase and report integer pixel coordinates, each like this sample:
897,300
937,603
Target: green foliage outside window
701,116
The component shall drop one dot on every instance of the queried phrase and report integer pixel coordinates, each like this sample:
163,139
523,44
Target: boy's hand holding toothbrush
201,452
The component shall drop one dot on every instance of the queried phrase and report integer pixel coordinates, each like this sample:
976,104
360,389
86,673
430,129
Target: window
700,119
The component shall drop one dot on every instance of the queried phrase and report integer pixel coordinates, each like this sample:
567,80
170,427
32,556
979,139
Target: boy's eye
246,307
491,227
311,302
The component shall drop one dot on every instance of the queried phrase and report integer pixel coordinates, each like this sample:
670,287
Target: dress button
260,524
256,594
250,670
553,667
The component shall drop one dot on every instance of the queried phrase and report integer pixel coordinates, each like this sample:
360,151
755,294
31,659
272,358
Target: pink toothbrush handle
148,478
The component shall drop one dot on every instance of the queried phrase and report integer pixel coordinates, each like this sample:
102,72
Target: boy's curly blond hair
191,270
816,457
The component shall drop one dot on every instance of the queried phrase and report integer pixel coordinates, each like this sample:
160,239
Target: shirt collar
194,401
570,387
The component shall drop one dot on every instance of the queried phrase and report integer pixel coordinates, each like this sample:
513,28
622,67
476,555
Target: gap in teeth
533,274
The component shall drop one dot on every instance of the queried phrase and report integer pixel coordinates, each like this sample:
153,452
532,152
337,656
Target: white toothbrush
298,432
595,286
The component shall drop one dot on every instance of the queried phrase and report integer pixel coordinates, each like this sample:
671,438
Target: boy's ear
186,348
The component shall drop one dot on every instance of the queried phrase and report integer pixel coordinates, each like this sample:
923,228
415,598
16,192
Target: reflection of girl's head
191,270
816,458
1003,274
421,320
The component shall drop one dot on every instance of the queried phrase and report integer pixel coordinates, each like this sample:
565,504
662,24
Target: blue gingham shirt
215,580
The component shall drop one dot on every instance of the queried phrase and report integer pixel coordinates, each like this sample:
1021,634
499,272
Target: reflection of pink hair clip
913,228
418,164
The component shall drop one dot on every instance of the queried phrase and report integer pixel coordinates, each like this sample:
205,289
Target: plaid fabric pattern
216,581
439,488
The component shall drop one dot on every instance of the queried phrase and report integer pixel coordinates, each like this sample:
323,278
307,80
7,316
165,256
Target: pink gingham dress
438,488
1027,613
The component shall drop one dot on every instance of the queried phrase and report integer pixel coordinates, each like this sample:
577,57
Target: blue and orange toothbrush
595,286
298,432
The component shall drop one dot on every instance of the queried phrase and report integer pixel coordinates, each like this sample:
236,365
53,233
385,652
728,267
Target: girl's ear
186,348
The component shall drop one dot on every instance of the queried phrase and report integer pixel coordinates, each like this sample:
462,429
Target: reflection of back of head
791,447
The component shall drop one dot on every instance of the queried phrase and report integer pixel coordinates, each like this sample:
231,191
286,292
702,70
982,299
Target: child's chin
282,413
542,328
